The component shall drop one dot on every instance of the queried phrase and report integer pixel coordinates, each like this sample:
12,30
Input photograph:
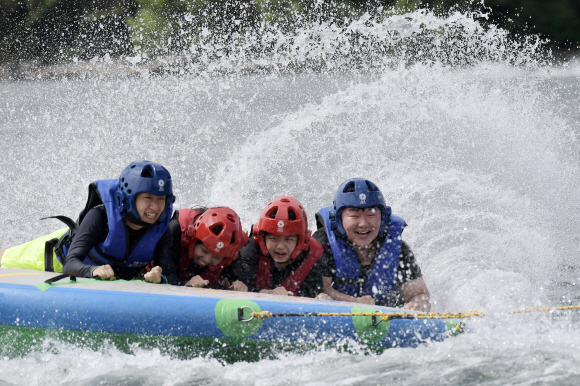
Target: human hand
105,272
153,276
323,296
367,299
278,291
197,281
239,286
415,306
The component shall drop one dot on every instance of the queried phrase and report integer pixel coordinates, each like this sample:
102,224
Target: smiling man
364,259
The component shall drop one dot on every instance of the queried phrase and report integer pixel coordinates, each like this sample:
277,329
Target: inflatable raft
138,311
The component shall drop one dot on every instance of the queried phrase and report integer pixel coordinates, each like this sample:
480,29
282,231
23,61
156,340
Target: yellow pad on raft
30,255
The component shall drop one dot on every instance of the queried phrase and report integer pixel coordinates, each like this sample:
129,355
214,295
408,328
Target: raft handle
241,314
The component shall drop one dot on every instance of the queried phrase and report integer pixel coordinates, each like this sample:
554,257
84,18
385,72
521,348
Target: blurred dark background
52,31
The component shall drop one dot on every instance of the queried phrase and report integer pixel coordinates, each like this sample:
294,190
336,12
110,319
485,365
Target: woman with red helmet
207,241
283,259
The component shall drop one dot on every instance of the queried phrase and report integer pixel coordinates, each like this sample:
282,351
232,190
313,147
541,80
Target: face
280,247
361,225
203,257
150,207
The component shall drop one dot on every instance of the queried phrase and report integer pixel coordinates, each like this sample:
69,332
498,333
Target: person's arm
416,295
412,287
229,280
90,232
246,265
335,295
313,286
165,257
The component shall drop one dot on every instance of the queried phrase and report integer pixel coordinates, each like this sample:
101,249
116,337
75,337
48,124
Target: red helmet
220,230
284,216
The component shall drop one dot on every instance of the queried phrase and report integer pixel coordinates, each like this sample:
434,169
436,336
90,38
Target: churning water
471,136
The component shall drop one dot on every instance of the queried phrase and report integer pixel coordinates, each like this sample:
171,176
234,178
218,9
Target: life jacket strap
57,245
48,248
67,220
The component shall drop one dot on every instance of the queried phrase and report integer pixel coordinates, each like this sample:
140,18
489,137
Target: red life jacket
186,220
295,280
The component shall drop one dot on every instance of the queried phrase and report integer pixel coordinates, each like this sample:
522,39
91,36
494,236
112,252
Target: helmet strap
132,219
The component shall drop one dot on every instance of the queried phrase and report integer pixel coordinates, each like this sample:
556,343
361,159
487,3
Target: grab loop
241,314
60,277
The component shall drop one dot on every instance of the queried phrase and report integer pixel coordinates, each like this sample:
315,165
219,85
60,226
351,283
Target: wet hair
291,214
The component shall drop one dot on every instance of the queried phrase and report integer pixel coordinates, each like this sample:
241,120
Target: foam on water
471,137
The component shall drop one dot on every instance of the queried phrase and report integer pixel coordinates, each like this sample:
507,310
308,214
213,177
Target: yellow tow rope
263,315
387,316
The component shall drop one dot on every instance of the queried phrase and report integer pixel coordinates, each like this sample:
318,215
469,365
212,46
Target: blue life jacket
381,283
113,250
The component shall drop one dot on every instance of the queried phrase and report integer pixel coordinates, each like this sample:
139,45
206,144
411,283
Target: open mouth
200,262
150,216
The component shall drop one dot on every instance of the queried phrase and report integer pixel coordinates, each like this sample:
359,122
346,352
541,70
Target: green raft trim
226,316
363,325
45,287
17,342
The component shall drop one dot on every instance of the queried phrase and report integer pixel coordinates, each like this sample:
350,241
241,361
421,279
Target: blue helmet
143,177
358,193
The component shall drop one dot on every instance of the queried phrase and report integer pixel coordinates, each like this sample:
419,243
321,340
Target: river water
473,142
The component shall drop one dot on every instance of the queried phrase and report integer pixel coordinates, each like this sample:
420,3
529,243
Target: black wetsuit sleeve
247,265
165,257
227,278
92,230
312,285
408,268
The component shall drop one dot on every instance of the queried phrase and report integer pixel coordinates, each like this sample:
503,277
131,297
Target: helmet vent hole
147,171
233,240
133,166
273,213
129,191
214,214
349,188
231,218
216,230
291,214
372,187
285,200
126,184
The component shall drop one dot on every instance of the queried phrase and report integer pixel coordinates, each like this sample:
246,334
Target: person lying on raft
123,226
283,259
365,259
208,241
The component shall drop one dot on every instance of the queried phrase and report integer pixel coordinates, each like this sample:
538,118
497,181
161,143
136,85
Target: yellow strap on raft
386,316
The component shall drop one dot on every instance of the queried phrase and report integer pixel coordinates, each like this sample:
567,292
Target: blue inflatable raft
134,309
